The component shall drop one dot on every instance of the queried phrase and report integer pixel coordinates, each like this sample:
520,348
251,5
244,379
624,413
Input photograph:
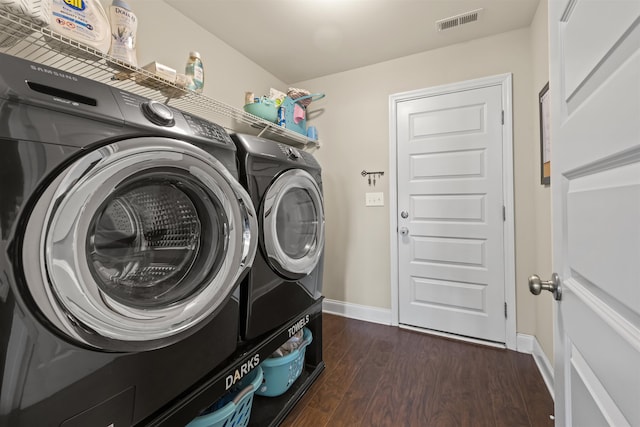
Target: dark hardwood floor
380,376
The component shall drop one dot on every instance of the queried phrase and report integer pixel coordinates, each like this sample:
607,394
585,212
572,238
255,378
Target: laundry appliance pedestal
266,411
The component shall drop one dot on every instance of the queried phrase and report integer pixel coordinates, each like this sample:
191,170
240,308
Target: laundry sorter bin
281,372
233,409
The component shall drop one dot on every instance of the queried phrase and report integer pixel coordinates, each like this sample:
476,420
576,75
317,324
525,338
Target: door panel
592,28
613,197
607,375
451,262
461,295
460,120
595,106
459,208
590,414
455,164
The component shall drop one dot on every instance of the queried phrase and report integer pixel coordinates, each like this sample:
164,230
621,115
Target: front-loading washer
285,185
124,234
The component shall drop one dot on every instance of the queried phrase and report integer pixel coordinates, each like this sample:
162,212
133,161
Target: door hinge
502,116
505,310
504,213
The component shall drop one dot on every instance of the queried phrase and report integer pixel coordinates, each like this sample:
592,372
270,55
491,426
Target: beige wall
354,130
353,123
541,195
167,36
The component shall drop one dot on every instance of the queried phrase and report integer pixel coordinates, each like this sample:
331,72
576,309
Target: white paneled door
595,163
451,273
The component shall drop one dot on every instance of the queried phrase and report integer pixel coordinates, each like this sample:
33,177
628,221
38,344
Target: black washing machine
285,186
124,236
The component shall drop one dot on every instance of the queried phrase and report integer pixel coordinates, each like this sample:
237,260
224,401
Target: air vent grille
456,21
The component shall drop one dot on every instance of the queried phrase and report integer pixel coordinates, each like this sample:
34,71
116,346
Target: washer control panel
206,129
147,113
158,113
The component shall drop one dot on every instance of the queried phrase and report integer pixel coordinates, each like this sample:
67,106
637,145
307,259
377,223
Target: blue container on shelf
280,372
234,409
289,106
265,109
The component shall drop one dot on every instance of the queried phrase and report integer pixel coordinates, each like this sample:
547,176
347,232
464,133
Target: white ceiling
296,40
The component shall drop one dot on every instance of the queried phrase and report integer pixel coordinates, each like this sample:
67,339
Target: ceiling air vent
456,21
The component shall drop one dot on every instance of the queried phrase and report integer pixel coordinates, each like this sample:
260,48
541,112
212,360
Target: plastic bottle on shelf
195,72
84,21
124,25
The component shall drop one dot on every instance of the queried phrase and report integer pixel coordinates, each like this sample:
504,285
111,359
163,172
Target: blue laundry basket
281,372
234,413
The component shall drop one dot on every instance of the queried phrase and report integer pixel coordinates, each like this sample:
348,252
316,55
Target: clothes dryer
123,236
285,185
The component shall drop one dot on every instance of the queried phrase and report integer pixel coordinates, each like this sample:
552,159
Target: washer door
138,243
293,223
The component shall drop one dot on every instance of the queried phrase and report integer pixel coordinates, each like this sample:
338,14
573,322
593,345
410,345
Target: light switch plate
374,199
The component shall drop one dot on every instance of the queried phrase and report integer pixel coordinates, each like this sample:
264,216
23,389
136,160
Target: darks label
243,370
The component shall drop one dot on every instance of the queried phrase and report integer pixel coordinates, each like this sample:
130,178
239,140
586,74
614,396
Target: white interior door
595,163
451,256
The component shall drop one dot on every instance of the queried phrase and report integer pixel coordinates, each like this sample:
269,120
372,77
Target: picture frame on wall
545,136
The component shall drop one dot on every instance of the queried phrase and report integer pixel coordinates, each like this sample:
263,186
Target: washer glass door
293,223
138,243
146,242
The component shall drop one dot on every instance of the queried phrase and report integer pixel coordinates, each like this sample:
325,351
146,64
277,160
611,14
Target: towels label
298,325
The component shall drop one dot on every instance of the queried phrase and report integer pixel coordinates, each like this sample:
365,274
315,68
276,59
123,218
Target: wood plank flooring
379,376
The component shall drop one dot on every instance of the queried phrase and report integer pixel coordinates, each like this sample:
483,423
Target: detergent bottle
84,21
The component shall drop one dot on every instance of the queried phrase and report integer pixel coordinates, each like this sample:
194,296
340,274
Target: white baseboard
524,343
357,311
530,345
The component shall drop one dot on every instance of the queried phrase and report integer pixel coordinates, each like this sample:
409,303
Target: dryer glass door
138,243
293,223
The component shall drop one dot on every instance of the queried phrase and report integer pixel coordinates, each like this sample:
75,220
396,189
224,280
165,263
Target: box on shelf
159,70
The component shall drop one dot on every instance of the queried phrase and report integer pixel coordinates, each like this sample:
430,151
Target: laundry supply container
296,112
233,409
265,109
281,372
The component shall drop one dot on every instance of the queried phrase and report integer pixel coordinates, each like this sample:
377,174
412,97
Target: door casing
505,81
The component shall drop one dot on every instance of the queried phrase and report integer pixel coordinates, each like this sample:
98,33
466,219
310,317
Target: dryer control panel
292,153
277,152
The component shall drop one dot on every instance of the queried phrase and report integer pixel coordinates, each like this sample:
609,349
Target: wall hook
370,175
365,173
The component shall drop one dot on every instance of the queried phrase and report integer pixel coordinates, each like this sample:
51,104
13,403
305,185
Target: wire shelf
27,40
